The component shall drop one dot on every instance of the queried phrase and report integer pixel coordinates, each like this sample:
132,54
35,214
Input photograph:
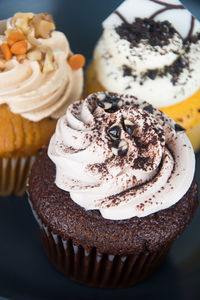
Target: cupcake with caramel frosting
37,83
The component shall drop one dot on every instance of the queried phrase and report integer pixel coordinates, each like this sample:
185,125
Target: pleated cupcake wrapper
13,175
89,267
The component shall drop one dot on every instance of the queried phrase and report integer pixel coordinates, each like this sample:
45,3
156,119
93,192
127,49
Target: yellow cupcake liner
194,136
13,175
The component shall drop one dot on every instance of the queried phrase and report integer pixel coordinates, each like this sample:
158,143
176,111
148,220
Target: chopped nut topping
22,21
23,37
9,31
34,54
21,58
31,38
48,63
43,25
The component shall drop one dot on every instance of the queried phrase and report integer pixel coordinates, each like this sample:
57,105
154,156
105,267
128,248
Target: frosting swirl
146,48
120,155
33,93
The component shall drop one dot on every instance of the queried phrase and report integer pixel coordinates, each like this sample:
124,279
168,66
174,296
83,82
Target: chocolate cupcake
114,190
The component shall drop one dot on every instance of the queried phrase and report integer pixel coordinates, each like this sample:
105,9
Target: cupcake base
96,269
92,268
99,252
13,175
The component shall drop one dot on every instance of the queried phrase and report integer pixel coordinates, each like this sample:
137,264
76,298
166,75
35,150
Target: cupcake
150,49
39,78
113,190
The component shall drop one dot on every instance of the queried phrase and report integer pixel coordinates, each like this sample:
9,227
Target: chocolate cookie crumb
179,128
155,32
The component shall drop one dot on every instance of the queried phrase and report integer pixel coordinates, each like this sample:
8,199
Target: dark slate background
25,272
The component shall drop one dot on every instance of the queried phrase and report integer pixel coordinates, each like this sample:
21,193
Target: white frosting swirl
113,53
154,172
36,95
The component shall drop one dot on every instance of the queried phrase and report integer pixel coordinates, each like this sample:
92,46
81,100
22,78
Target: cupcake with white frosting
39,78
150,49
114,190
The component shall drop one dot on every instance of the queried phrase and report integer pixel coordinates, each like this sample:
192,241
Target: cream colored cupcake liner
95,269
13,175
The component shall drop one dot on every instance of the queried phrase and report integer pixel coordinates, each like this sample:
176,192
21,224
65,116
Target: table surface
25,272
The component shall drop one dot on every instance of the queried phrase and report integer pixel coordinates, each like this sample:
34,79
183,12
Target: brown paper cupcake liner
91,268
13,175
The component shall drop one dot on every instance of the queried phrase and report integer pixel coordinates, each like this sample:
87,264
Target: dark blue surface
25,272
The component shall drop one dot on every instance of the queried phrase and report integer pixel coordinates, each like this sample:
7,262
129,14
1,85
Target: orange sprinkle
19,48
14,37
76,61
6,51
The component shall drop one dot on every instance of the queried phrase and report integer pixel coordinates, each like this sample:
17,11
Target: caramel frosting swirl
120,155
30,91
